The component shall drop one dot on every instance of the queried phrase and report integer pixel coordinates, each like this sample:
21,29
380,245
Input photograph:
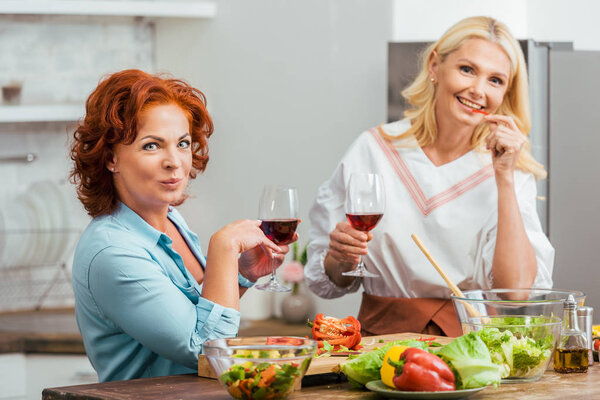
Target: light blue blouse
138,308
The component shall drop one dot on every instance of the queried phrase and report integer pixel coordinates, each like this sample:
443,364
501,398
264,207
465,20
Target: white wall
542,20
289,84
560,20
427,20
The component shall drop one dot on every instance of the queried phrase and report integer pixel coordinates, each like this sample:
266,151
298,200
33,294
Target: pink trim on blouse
427,206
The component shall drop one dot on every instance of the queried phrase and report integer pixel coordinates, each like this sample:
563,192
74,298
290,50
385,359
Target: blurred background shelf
41,113
161,8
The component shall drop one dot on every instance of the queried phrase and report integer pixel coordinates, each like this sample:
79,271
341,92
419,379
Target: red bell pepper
420,371
337,332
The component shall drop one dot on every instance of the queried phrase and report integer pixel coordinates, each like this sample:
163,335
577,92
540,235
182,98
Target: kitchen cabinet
23,377
128,8
171,9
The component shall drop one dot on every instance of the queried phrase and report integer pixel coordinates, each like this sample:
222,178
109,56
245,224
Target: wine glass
278,212
365,202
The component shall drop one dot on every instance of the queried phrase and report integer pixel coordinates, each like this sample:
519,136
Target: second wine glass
365,203
278,212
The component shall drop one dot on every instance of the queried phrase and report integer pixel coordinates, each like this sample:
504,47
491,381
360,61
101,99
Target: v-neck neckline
458,160
428,204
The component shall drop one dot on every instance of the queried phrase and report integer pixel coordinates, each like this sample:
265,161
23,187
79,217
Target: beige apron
430,316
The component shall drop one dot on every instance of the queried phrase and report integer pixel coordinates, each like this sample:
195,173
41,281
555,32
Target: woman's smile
469,104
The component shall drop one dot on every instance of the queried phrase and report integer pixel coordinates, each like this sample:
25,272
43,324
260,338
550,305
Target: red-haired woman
146,296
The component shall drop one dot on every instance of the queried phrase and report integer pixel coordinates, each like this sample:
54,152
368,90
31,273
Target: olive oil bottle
571,354
570,360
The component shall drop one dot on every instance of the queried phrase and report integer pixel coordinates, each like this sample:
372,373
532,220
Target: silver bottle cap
570,303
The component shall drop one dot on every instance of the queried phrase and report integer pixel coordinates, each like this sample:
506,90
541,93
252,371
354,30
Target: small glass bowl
260,367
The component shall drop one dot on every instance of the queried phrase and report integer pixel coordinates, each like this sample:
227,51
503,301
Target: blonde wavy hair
421,93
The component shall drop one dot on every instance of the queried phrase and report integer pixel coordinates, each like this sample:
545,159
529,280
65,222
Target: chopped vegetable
261,381
470,360
420,371
337,332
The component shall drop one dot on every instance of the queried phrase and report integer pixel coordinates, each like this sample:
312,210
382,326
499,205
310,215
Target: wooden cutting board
326,365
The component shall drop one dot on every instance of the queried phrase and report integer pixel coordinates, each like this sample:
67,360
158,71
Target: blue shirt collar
131,220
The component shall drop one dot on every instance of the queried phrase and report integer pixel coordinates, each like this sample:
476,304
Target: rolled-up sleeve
544,252
134,293
214,321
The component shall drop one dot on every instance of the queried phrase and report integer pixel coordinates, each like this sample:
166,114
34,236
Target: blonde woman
457,172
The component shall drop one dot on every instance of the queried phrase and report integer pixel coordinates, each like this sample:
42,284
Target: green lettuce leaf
515,350
500,346
528,357
470,360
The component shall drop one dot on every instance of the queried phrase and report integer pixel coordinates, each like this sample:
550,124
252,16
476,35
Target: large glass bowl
522,344
260,367
538,302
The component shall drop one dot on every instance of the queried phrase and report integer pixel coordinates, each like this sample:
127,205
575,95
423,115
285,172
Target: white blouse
453,208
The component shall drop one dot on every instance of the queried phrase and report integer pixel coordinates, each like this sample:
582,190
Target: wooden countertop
183,387
55,331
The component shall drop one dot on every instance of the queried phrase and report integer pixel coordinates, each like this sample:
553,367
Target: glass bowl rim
309,344
576,293
554,321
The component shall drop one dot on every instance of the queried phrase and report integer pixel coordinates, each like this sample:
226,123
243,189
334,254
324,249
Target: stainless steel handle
25,158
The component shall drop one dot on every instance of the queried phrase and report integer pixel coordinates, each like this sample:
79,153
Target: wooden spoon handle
457,292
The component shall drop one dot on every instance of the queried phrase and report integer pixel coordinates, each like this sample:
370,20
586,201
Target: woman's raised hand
347,244
505,141
244,235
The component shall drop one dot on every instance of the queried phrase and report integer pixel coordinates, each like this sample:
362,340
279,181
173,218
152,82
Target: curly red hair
112,116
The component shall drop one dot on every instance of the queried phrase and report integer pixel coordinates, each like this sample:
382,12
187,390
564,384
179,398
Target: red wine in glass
278,213
365,203
364,221
279,231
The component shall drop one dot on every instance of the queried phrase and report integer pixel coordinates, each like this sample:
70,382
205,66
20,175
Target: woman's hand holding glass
347,245
257,252
256,262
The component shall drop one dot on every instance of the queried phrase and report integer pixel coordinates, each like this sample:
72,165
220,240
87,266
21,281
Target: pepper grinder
571,354
584,319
